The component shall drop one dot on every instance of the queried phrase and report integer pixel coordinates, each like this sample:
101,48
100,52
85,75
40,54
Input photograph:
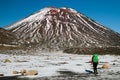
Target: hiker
95,62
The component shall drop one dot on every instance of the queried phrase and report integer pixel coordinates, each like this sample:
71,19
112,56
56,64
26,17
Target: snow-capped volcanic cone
58,28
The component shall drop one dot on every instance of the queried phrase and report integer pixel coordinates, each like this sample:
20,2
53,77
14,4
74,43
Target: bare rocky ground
68,75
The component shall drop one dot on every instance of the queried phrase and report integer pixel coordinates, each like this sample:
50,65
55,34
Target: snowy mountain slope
59,28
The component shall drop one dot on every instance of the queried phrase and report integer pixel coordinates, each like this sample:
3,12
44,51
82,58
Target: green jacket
95,58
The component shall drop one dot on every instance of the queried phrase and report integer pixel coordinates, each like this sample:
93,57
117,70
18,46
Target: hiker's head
95,54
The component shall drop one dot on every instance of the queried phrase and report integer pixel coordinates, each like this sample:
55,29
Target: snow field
48,64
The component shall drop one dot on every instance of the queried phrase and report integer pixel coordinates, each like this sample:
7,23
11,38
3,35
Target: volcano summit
60,28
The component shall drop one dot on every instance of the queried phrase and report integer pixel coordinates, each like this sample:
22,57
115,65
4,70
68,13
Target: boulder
23,71
105,66
15,72
31,72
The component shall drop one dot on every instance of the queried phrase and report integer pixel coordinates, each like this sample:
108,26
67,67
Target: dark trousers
95,66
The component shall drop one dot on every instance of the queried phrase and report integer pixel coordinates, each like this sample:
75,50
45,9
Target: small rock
113,63
118,72
63,63
1,74
7,61
22,61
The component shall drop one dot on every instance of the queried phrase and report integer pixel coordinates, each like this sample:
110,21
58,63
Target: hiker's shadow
89,71
71,73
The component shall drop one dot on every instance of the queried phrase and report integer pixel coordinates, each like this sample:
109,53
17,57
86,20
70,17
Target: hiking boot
95,72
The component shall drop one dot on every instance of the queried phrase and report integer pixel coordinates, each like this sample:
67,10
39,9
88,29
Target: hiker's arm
98,59
92,59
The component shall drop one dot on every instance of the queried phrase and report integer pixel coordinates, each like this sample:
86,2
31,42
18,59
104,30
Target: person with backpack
95,62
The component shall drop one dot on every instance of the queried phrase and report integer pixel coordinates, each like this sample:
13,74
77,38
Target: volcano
60,28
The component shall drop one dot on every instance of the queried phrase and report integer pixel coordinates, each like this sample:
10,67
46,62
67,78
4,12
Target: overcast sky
105,12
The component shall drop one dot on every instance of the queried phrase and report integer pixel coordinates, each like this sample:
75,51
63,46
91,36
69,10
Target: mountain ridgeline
62,29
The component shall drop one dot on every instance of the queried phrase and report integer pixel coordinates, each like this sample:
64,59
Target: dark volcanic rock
7,37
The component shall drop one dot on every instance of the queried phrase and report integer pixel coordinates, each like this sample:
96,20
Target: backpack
95,58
